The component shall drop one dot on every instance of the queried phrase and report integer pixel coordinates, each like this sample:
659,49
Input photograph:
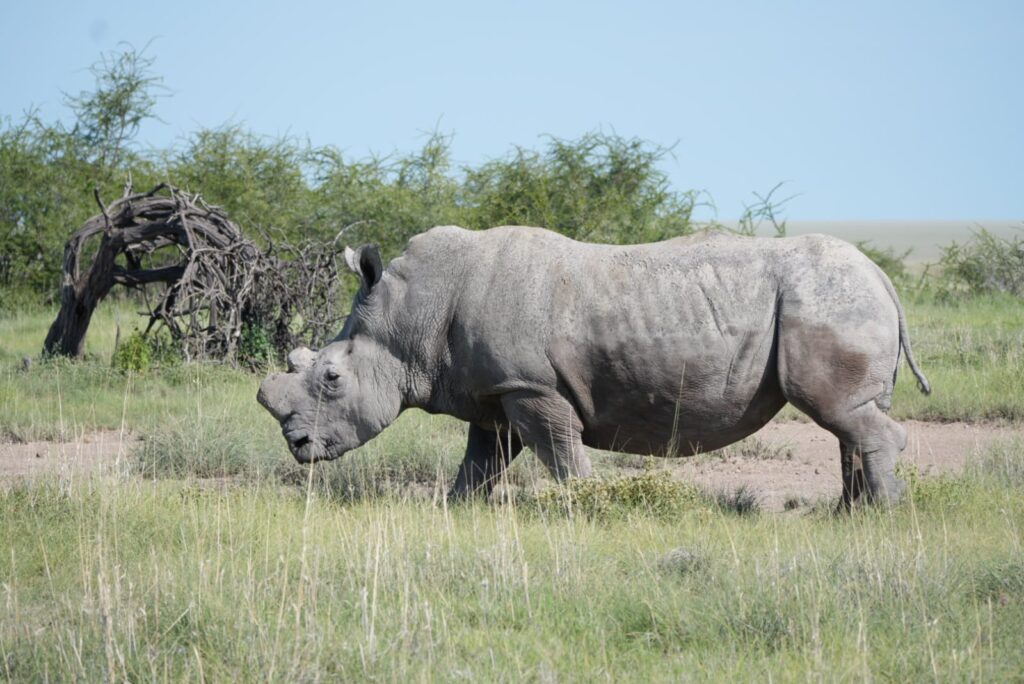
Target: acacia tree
48,171
108,118
599,187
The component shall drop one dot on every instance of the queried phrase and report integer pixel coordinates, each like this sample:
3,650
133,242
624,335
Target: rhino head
338,398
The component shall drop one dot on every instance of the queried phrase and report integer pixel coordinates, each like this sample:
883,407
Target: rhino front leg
550,426
488,453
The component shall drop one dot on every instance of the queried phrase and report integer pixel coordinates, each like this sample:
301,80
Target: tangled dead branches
217,286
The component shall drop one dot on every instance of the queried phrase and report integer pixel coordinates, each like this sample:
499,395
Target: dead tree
213,281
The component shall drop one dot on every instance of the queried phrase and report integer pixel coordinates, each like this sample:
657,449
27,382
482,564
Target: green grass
357,570
58,398
22,331
137,580
973,354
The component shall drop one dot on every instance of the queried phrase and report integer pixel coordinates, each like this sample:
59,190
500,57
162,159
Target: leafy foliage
600,187
985,264
138,353
382,200
48,172
259,182
109,117
132,354
889,260
765,210
256,349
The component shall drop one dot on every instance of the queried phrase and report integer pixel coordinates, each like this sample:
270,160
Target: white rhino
670,348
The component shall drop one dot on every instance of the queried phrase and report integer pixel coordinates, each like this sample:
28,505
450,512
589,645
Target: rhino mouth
306,449
301,444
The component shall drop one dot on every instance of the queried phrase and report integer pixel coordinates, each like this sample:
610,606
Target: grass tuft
741,501
651,494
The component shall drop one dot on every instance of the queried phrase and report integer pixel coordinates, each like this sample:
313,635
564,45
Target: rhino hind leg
845,390
488,453
870,442
550,426
878,441
852,465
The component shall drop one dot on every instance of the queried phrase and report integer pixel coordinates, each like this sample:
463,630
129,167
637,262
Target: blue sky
869,110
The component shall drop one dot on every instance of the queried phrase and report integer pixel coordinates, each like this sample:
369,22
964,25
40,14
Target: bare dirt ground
89,453
785,461
800,461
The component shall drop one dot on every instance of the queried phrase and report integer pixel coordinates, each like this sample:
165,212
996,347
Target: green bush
889,260
48,171
164,352
133,354
936,492
600,188
256,348
984,264
141,352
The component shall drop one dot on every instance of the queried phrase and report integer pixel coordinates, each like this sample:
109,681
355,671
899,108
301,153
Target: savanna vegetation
207,553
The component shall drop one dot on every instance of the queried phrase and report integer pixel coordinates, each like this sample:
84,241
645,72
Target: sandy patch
805,459
91,453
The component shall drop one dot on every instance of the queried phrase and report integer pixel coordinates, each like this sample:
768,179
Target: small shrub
681,561
164,352
756,449
652,493
893,263
984,264
741,501
256,348
140,352
937,491
133,354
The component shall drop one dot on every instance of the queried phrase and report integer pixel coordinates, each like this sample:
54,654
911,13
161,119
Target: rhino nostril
301,442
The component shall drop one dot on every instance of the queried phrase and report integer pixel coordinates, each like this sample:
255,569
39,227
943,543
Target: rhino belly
675,396
662,431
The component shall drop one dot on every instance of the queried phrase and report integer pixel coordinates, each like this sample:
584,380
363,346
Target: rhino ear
365,262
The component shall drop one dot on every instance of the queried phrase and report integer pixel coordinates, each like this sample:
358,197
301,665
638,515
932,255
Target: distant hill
924,238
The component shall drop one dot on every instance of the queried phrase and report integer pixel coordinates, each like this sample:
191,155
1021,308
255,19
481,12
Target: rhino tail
922,381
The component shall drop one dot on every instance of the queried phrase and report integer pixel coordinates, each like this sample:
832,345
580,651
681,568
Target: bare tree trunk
80,294
220,283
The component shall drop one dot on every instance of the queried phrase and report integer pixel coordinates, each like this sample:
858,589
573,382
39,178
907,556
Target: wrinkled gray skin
669,348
